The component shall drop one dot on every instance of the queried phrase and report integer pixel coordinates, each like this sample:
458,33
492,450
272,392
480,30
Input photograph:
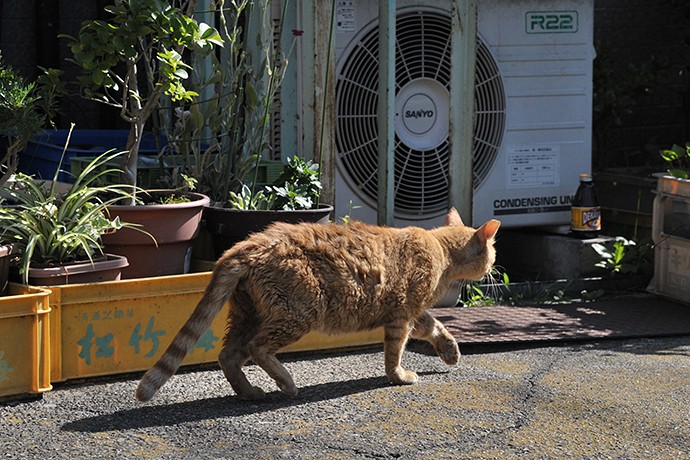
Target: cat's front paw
402,377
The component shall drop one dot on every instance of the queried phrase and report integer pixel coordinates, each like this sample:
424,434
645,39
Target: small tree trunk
11,159
137,115
131,159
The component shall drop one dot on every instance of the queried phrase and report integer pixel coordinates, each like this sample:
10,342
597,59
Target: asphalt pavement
614,398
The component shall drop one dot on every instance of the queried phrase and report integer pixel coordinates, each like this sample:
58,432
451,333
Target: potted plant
171,221
672,202
248,191
25,108
144,41
671,226
216,139
293,197
58,234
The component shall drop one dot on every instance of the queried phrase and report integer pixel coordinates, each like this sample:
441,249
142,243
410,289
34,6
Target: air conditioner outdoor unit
533,104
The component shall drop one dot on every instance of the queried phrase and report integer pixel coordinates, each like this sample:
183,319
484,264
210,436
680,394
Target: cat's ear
453,218
488,230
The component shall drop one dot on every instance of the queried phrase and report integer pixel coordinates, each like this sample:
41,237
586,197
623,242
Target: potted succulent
144,41
671,226
58,234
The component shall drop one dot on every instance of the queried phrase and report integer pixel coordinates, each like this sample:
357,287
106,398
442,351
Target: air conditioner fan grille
421,172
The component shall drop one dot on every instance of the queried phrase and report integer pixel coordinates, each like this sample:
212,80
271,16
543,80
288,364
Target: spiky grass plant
52,228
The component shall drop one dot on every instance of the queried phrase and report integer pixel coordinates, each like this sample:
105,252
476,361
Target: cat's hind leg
395,337
272,337
235,352
231,360
428,328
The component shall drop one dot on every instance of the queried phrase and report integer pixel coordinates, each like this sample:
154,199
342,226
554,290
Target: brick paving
627,316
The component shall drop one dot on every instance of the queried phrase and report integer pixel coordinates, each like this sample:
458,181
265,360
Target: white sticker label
345,15
532,166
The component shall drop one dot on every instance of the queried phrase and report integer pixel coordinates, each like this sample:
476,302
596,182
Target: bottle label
586,219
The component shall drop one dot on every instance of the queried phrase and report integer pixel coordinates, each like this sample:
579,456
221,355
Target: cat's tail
222,285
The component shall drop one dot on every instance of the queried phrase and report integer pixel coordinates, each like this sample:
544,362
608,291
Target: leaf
196,118
118,41
679,173
669,155
181,73
97,78
209,34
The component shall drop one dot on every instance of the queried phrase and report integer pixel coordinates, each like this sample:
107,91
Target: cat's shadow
218,407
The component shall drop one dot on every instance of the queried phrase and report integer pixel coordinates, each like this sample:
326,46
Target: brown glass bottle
585,221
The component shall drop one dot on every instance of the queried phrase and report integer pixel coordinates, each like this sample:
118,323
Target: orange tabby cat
292,279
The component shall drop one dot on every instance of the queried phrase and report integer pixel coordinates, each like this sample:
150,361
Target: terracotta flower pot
174,227
109,268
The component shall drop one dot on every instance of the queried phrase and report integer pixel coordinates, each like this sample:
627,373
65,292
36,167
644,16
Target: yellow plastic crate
24,342
124,326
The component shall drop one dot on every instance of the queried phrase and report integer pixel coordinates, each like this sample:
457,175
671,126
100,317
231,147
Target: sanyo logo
551,22
419,114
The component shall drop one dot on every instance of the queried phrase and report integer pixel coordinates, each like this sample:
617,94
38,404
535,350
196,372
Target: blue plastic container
42,154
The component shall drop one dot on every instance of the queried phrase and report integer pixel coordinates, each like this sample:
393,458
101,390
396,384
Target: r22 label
551,22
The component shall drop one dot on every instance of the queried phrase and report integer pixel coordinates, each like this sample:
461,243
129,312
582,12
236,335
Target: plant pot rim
320,208
197,199
672,186
109,261
665,175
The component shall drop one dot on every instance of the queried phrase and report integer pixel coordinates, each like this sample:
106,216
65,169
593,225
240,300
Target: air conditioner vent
422,119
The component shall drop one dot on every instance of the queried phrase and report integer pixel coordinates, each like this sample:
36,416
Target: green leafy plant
479,294
246,200
143,40
222,137
297,188
678,159
189,184
25,108
52,228
347,218
474,296
624,256
301,187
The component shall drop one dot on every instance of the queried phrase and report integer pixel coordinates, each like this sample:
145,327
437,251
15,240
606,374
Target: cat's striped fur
291,279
